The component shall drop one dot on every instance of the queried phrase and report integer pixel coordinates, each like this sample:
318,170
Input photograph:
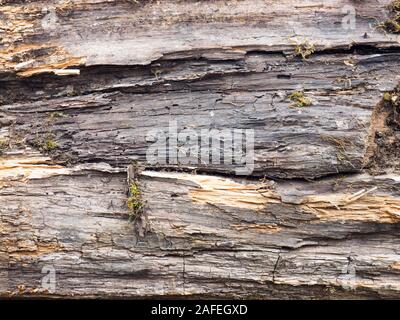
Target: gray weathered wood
317,218
205,235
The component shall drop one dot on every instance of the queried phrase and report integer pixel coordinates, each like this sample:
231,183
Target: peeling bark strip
83,82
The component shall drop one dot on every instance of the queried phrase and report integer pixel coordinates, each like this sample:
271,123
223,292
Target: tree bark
83,83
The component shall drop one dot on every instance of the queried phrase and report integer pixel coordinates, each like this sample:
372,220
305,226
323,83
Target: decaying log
83,82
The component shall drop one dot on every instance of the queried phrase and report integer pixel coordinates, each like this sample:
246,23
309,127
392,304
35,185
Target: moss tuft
391,101
395,6
299,99
4,145
393,97
46,143
134,202
65,8
304,49
57,114
392,24
50,144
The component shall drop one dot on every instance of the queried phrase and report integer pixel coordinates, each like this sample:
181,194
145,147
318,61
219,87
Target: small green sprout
299,99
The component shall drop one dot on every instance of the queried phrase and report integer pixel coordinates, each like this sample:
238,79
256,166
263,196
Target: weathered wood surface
203,235
321,224
119,32
250,93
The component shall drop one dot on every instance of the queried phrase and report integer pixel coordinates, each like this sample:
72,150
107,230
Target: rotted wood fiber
83,82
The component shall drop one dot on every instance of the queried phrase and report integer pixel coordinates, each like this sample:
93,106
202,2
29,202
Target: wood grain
318,218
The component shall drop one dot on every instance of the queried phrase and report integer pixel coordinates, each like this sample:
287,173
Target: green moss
395,6
134,202
50,144
392,97
392,24
65,8
4,145
46,143
299,99
57,114
387,97
304,49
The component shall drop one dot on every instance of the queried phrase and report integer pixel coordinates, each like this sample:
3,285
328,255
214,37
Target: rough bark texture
81,84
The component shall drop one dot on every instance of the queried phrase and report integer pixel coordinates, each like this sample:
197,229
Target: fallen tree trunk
84,82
